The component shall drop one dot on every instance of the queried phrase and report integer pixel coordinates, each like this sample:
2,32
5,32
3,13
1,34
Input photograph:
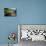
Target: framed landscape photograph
10,12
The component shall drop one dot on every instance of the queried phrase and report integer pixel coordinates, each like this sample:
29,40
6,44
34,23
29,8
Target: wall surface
28,12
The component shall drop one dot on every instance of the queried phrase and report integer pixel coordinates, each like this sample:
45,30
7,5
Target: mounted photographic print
9,11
